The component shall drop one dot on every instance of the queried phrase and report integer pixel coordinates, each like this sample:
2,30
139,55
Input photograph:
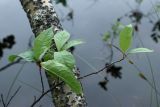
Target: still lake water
91,19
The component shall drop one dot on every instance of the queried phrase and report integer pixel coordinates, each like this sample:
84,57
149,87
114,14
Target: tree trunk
42,15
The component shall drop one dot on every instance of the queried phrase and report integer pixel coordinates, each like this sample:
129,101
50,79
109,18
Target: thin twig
40,73
10,64
13,96
43,94
4,105
154,8
29,85
152,73
107,66
13,82
35,98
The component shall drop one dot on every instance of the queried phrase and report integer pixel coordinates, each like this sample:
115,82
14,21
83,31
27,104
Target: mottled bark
42,15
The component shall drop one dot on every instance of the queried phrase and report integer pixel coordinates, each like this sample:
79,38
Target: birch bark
42,15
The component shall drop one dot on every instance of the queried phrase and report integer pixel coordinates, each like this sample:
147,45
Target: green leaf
60,39
42,43
117,26
12,58
126,37
27,56
139,50
65,58
64,73
49,55
71,44
106,36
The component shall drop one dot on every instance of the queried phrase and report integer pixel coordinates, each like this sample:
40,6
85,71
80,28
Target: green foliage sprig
125,41
60,63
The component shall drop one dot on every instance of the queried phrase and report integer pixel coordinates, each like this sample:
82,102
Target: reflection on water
91,19
7,42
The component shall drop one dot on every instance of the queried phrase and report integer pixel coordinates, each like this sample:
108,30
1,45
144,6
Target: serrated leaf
139,50
65,58
64,73
42,42
71,44
27,56
126,38
61,38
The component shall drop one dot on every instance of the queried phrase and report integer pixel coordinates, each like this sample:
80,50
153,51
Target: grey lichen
42,15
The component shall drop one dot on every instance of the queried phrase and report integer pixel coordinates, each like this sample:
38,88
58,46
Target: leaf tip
12,58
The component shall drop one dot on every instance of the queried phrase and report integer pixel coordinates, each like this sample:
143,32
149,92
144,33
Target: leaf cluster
60,63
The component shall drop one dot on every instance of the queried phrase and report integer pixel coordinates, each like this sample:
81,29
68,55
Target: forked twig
107,66
43,94
13,96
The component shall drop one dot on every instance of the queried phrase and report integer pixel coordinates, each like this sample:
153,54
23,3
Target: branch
13,96
43,94
42,15
10,64
107,66
40,73
4,105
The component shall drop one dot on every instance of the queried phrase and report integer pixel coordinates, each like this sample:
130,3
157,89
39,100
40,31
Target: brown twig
10,64
40,73
107,66
43,94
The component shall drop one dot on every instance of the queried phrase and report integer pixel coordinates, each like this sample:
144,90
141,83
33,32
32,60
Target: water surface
91,19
